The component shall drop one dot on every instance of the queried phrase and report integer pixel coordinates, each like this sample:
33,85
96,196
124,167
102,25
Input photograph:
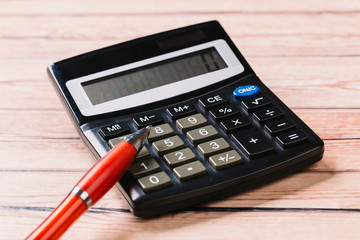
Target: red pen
92,186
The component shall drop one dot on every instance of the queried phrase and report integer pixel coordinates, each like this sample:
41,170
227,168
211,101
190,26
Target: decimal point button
244,92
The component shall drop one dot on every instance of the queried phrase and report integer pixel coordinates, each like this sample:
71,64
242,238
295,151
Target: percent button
224,112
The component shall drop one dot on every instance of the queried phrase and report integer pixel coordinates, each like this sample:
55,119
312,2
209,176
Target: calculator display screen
154,75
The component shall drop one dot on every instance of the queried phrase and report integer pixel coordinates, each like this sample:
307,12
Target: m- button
212,101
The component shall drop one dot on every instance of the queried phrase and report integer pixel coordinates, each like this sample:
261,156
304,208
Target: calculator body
217,129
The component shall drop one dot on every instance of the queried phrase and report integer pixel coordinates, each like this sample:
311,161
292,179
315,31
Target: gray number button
179,157
202,134
213,147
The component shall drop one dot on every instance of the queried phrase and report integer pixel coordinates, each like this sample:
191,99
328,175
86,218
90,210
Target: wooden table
307,52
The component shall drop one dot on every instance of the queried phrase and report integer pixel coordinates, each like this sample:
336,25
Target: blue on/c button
245,92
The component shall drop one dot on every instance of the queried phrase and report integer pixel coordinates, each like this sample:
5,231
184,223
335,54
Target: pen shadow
237,202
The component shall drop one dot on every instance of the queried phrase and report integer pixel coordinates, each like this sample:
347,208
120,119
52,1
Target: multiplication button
233,124
252,142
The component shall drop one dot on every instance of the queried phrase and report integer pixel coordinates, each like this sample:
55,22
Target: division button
267,114
190,170
225,160
255,103
279,126
253,142
245,92
291,138
154,182
234,124
224,112
212,101
114,130
180,110
148,119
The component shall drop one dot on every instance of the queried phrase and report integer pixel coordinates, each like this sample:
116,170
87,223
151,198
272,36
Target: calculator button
202,134
212,101
267,114
279,126
114,130
154,182
224,112
179,157
115,141
194,121
168,145
245,92
180,110
234,124
143,167
190,170
213,147
253,142
144,152
225,160
290,138
149,119
160,131
254,103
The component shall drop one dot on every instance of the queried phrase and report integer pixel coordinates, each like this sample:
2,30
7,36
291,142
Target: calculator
217,130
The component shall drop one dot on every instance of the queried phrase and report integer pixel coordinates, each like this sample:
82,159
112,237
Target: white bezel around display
81,99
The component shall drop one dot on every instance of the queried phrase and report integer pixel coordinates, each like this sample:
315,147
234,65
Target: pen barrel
107,171
60,219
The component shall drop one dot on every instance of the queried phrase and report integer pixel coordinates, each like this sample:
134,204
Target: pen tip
138,138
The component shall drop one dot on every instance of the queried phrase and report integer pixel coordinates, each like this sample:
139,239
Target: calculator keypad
218,134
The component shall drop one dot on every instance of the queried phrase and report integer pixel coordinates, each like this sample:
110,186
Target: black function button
233,124
181,110
267,114
212,101
253,142
291,138
114,130
224,112
255,103
279,126
148,119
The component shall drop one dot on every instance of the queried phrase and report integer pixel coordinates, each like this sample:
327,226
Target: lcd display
153,75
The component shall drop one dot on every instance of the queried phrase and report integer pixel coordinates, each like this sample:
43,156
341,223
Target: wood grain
307,52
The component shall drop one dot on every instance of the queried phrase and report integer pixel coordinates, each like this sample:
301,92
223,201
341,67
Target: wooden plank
307,189
256,224
161,6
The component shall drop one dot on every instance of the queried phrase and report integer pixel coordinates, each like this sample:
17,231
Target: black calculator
216,130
